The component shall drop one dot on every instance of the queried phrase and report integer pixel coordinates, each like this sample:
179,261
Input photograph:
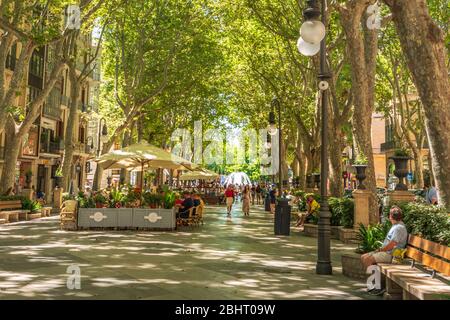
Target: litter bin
267,202
282,217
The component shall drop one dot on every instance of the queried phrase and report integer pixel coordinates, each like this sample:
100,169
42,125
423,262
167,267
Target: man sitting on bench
396,238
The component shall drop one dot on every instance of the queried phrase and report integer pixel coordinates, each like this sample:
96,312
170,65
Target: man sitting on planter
396,238
312,207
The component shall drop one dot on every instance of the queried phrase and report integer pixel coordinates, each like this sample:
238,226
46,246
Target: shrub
342,211
99,198
168,199
85,202
67,196
152,199
116,198
31,205
426,221
372,237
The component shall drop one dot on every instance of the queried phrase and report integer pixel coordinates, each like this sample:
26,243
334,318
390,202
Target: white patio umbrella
143,155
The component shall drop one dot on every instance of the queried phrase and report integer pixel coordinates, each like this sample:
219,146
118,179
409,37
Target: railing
65,101
389,145
11,62
81,147
53,147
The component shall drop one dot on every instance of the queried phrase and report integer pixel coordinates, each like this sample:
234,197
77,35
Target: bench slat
429,261
430,246
416,282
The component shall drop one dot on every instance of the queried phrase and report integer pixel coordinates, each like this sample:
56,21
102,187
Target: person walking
229,196
258,194
253,192
273,199
246,201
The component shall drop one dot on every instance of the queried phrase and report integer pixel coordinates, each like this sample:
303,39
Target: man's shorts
381,257
230,201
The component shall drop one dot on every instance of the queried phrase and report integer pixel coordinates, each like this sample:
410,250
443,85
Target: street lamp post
102,132
312,41
273,131
283,210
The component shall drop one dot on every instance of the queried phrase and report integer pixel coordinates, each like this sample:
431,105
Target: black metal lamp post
313,32
282,210
102,132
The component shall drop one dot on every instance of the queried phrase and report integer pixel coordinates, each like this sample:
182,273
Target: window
81,134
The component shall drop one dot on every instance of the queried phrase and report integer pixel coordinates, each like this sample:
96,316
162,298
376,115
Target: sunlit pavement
237,259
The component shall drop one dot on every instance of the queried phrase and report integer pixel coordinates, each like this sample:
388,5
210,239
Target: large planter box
352,266
311,230
347,235
104,217
125,218
154,219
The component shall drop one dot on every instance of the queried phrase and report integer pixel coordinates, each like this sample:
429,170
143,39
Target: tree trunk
424,48
12,150
335,155
418,165
362,54
69,143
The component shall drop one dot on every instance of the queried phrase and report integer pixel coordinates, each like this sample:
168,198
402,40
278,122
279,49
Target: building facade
43,146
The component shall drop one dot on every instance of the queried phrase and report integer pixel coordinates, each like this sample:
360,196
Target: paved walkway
240,259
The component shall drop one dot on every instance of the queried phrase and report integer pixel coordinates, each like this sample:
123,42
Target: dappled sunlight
238,259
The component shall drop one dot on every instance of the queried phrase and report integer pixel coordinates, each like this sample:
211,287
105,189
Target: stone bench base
352,266
407,283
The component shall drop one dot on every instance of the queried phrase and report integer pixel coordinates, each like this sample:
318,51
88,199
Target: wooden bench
11,211
426,277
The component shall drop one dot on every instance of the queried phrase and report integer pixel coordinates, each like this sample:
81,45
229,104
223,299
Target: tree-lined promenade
167,64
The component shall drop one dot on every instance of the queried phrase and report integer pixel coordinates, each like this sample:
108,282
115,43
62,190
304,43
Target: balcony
52,107
82,148
389,145
65,101
52,147
11,62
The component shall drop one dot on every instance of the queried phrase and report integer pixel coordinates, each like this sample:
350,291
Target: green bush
426,221
168,200
31,205
372,237
67,196
85,202
152,199
342,211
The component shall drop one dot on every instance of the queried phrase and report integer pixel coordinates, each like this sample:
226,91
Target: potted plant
360,165
309,181
100,200
151,200
116,198
316,175
400,158
28,176
58,177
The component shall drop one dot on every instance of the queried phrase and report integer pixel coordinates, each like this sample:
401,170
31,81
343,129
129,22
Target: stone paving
237,259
